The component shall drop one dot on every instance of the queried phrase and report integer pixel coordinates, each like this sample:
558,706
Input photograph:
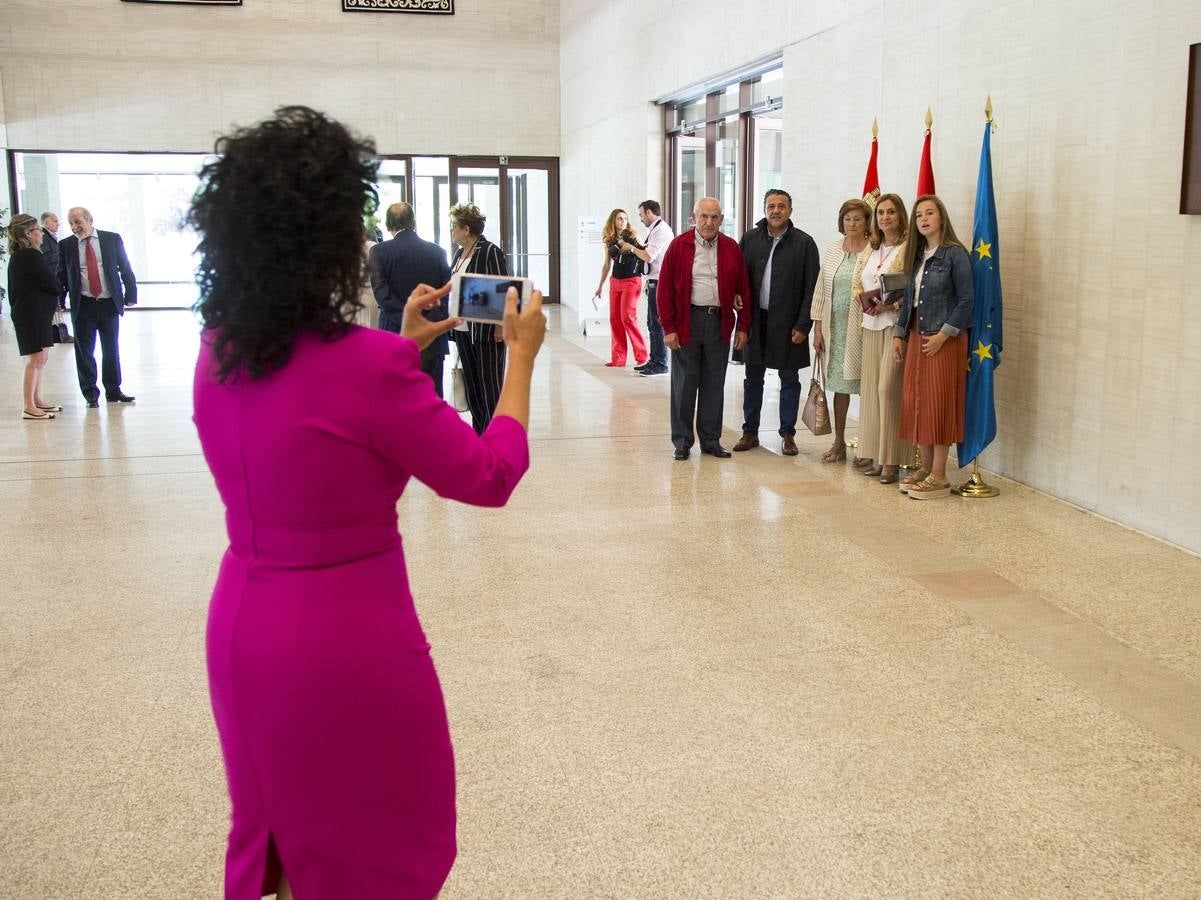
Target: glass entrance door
520,198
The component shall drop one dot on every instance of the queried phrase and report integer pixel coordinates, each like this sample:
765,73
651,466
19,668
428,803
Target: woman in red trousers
625,287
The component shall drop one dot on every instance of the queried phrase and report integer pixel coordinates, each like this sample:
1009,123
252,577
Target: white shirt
657,240
704,273
83,266
880,260
917,277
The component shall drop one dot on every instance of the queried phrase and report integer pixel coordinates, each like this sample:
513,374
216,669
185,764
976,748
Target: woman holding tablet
332,725
481,347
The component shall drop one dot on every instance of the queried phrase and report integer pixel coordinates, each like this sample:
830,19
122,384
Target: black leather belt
707,310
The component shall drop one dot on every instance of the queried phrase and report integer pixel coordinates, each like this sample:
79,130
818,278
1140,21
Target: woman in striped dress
481,348
931,338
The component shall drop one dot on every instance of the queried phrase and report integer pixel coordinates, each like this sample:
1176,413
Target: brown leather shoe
746,442
789,447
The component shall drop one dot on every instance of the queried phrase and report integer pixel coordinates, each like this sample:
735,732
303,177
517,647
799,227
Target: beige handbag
815,415
458,386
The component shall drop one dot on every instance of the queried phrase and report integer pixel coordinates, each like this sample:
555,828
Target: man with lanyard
658,236
782,263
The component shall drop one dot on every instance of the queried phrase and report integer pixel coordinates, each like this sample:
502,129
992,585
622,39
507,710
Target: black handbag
59,331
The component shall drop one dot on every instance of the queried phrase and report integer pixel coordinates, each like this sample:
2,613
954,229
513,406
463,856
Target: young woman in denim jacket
931,337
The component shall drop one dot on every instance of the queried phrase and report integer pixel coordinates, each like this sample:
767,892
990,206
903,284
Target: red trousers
623,320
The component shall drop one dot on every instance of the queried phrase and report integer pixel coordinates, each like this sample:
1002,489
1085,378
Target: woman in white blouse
880,377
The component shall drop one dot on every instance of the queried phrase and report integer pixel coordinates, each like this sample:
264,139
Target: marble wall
169,78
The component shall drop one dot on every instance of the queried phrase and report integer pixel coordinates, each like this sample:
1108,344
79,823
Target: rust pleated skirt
935,391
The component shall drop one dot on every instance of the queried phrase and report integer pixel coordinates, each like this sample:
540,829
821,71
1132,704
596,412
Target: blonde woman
837,318
880,377
625,287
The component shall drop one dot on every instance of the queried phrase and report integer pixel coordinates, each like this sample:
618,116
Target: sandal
26,414
862,462
835,455
912,480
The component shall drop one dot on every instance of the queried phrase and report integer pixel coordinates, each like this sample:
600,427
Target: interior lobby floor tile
755,677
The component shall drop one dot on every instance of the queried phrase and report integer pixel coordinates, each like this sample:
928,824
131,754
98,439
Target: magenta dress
330,714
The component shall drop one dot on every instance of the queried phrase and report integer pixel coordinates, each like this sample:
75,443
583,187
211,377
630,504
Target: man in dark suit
397,266
96,275
53,257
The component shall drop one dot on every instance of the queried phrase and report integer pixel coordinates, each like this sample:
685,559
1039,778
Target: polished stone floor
761,677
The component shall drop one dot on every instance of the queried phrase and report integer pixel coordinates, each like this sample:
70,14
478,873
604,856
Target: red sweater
674,292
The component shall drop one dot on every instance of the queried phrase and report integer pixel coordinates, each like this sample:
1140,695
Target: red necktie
93,269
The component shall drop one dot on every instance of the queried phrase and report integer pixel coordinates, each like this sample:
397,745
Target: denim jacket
945,303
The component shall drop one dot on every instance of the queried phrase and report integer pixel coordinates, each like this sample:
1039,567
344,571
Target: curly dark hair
280,214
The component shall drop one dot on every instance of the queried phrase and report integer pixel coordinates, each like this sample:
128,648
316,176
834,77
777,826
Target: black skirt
33,324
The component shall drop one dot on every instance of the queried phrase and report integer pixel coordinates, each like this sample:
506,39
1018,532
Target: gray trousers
698,379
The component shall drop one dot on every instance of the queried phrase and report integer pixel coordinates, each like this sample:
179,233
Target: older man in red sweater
701,286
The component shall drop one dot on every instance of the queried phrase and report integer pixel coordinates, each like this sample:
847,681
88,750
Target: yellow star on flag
983,250
983,351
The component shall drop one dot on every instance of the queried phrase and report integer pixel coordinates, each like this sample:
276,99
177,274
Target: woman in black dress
481,349
33,295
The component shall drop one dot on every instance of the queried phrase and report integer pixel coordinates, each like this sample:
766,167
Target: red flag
871,181
925,172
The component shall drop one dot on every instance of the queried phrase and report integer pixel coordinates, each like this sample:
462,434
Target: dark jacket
946,296
486,259
794,269
674,293
117,271
32,289
396,267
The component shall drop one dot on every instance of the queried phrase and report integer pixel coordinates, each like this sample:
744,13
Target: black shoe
642,366
718,450
119,398
93,404
680,453
652,371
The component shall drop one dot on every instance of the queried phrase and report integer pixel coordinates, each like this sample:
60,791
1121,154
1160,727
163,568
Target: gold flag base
976,486
917,460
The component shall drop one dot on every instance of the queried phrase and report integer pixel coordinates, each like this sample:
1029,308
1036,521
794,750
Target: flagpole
976,487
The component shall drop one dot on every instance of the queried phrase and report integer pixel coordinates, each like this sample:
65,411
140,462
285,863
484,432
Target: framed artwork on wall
191,2
429,7
1190,177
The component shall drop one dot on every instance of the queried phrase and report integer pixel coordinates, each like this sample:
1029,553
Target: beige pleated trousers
880,383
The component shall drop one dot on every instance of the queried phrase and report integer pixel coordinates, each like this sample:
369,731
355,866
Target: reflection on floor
755,677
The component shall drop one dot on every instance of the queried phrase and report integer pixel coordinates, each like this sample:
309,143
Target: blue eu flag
980,415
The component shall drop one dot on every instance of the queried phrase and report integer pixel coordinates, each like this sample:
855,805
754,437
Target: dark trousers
431,364
431,357
752,386
97,317
654,329
483,362
698,382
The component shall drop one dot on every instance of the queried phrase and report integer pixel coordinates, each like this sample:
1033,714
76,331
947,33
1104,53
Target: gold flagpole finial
929,118
988,110
875,128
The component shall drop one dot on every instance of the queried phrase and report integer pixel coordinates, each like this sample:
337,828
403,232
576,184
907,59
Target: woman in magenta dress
332,725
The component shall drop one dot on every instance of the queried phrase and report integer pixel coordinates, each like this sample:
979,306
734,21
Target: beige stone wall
1099,396
170,77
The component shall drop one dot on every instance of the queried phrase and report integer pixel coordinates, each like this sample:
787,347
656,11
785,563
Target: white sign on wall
594,311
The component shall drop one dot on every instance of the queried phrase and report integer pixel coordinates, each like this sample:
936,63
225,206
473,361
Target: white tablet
481,298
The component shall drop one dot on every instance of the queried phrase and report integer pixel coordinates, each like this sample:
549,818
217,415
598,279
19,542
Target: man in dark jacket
53,257
782,263
397,266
